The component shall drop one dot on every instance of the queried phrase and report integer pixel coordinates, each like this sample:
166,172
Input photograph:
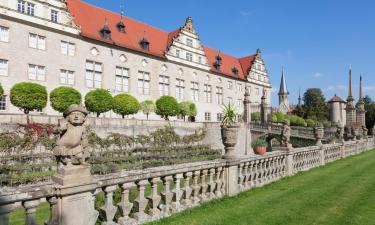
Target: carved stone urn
318,134
229,137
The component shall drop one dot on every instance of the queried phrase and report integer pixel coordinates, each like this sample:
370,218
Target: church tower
350,107
283,94
361,121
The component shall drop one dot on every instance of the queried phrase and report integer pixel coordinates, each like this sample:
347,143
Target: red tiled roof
336,99
91,19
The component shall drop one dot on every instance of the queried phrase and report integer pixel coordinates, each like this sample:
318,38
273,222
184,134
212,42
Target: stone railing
182,186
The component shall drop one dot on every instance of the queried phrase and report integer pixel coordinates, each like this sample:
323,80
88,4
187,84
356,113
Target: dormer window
105,32
121,26
145,44
235,71
218,62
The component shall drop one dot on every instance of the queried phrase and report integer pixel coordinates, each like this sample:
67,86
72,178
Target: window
37,72
178,53
21,7
239,87
189,42
122,79
3,103
3,67
143,83
208,93
189,56
30,9
93,74
219,94
200,59
230,85
68,48
259,77
4,34
37,41
66,77
180,89
207,116
257,91
163,85
219,117
239,103
195,91
54,16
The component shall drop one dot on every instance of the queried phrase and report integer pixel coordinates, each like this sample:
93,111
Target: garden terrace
154,193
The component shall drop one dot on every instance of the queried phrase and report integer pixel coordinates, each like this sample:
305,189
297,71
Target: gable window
143,83
3,67
66,77
68,48
105,32
219,94
37,41
195,91
93,74
3,103
21,6
4,34
200,59
145,44
30,9
180,89
178,53
54,16
208,93
189,56
207,116
122,79
163,85
37,72
189,42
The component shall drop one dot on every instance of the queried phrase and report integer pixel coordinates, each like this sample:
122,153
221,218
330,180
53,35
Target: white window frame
54,16
36,72
180,87
122,79
194,91
189,42
207,116
163,85
219,94
208,93
67,77
4,34
94,74
21,6
30,9
38,43
219,117
4,67
3,103
67,48
230,85
178,53
144,80
189,56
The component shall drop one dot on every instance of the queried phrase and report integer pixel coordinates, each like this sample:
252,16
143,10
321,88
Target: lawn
339,193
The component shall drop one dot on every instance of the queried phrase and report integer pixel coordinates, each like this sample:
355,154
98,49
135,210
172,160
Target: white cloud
337,88
318,75
369,89
245,13
274,90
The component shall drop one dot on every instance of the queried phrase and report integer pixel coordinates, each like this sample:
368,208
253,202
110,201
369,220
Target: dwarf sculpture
72,142
285,135
340,131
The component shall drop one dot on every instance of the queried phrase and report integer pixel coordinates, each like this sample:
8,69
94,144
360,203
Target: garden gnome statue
285,135
72,142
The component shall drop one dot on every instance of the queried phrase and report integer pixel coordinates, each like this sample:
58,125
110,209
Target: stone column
231,180
321,152
289,164
247,108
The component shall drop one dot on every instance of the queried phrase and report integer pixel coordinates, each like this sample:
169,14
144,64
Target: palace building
72,43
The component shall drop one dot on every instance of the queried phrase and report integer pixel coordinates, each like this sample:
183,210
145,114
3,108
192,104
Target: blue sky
316,41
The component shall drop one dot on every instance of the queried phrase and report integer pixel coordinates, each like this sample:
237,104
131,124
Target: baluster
204,186
196,188
245,175
141,202
177,193
211,184
125,205
154,198
256,169
222,182
186,197
5,210
166,196
108,209
30,208
261,174
239,180
251,176
218,192
54,211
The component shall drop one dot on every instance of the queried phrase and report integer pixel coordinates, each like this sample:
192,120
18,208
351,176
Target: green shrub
193,110
273,118
167,106
62,97
255,116
147,107
1,90
258,143
296,120
310,122
187,108
327,123
28,96
125,104
331,138
98,101
278,117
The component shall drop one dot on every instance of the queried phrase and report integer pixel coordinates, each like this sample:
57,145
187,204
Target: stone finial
189,25
72,141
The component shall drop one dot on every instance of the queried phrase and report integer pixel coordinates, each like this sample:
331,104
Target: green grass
340,193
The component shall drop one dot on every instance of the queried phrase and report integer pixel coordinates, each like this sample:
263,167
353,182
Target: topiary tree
1,90
167,106
62,97
147,107
28,96
125,104
98,101
193,111
184,108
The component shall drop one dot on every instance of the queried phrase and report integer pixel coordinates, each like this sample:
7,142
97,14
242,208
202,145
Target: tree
193,111
1,90
185,108
315,105
28,96
62,97
125,104
167,106
147,107
98,101
370,112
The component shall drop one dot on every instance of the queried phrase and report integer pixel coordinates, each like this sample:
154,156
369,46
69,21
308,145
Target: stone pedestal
231,179
243,146
75,200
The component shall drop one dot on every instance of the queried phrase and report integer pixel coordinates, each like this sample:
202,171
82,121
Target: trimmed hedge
62,97
147,107
28,96
125,104
98,101
167,106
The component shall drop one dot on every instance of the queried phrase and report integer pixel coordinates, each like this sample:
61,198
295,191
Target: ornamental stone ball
72,141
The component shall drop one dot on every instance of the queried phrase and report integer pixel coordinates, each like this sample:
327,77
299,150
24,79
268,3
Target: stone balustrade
151,194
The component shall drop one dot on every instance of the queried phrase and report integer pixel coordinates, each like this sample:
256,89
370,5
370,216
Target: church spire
360,89
283,87
299,97
350,96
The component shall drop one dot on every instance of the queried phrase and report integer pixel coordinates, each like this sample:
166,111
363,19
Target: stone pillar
231,180
247,108
289,164
263,108
343,150
321,154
